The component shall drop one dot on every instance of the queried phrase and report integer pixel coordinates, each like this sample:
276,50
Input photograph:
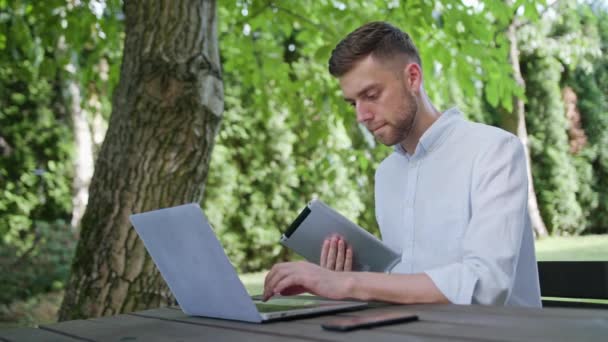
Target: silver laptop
192,261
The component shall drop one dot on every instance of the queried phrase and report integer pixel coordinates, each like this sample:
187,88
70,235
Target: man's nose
363,113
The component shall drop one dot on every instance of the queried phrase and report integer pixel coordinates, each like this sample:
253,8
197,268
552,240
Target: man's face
382,99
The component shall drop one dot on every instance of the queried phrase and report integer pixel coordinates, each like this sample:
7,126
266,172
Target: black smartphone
369,321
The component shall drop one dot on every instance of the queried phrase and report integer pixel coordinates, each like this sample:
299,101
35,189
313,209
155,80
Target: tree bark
518,120
166,113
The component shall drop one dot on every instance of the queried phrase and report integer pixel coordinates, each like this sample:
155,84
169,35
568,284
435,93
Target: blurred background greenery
286,135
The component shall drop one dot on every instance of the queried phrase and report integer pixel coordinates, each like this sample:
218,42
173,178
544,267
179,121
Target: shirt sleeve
492,239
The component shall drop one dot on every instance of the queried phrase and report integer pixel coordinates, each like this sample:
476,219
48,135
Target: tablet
317,221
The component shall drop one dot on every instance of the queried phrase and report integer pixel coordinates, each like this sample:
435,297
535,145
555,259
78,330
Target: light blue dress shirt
457,210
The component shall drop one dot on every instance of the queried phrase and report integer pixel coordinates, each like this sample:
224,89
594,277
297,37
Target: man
452,197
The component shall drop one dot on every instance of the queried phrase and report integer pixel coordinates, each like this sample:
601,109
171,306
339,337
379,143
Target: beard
401,125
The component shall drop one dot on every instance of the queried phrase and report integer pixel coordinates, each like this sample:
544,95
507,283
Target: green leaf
322,54
530,10
492,93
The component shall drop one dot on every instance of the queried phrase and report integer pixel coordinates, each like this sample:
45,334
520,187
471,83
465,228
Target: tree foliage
566,40
42,43
591,85
553,171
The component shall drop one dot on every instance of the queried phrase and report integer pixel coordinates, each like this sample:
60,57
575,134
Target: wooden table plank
438,323
135,328
33,334
449,321
517,311
132,328
467,322
307,328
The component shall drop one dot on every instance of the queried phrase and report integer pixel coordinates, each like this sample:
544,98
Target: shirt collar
436,134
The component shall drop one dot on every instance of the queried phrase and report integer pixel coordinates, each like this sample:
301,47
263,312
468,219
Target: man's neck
425,117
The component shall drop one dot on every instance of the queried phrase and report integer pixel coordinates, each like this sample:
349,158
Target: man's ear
412,75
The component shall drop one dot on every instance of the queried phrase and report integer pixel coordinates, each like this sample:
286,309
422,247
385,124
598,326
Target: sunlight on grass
578,300
580,248
254,282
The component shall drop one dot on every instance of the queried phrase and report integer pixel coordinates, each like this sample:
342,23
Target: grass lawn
580,248
42,309
254,282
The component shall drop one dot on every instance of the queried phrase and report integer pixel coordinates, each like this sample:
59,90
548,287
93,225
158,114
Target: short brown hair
377,38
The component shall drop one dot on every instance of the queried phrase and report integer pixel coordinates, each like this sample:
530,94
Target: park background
536,68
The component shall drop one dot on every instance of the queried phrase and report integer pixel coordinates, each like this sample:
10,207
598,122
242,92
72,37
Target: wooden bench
573,280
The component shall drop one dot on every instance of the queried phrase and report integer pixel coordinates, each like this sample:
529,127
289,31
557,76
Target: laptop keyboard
284,305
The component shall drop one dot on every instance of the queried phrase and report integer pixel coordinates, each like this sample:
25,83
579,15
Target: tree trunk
166,113
520,128
83,159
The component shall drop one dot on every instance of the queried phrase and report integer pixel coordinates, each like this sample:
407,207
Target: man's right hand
336,255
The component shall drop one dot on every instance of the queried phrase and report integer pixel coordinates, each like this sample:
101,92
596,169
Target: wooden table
437,323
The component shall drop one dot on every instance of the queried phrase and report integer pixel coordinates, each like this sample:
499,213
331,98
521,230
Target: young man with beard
452,197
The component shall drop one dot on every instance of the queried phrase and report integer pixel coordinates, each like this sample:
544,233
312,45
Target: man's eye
372,96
